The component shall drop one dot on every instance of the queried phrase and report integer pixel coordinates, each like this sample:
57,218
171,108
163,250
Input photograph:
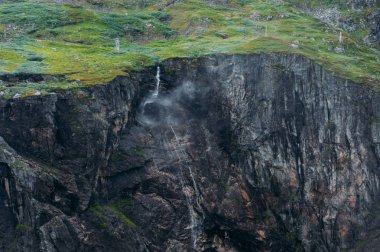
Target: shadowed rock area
235,153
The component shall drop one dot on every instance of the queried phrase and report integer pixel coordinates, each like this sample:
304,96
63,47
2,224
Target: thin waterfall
193,221
153,97
189,187
158,80
196,221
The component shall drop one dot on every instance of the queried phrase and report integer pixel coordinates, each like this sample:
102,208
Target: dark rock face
375,28
7,224
236,153
67,139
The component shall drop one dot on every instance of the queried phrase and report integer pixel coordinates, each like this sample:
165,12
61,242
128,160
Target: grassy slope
349,12
78,42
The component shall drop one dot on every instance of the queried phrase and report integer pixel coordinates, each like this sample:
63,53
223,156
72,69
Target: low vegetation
77,42
106,214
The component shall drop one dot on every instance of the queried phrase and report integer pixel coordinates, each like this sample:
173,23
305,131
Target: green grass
318,3
115,209
30,17
78,43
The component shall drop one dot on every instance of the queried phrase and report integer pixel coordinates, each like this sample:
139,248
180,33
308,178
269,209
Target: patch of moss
279,67
115,209
10,60
25,89
23,228
17,164
139,151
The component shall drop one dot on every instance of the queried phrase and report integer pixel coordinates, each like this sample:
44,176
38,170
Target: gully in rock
158,113
196,221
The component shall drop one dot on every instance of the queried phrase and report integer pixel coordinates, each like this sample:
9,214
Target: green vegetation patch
23,228
10,60
106,213
89,46
31,16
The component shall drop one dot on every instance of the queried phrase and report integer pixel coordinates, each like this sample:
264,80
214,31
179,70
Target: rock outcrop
235,153
375,27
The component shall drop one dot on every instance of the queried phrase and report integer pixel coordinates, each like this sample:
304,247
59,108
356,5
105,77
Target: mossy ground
78,42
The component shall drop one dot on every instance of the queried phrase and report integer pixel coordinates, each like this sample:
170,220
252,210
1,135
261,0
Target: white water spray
153,97
177,145
340,38
158,80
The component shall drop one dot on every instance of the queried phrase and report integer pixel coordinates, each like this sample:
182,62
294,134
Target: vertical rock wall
237,153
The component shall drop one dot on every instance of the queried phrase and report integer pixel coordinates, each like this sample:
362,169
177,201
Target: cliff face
65,138
233,153
375,28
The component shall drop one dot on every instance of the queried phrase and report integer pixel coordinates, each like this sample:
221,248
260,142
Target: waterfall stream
150,99
196,221
162,112
158,80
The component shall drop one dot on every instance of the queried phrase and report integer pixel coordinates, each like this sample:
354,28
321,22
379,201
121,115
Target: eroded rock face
66,139
236,153
375,27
